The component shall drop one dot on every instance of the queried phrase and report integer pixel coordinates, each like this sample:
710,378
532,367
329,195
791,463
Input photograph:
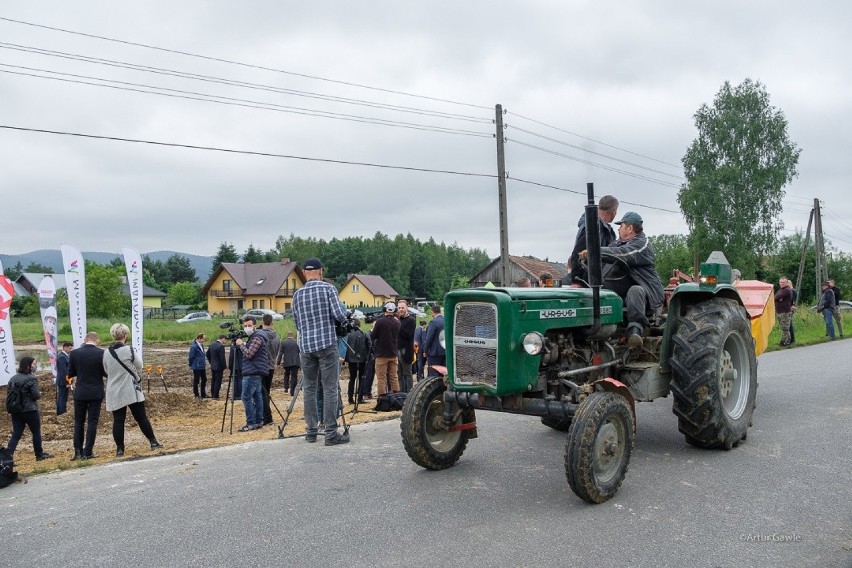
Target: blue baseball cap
631,218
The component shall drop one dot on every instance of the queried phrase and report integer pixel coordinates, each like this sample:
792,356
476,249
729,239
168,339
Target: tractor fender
615,386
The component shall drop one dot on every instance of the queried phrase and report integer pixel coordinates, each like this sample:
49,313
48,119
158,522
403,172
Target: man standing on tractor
629,272
607,210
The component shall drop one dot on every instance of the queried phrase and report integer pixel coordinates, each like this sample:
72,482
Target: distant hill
53,260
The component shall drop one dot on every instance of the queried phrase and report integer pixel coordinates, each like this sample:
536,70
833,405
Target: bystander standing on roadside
357,353
216,357
62,385
836,310
793,313
86,367
784,309
198,364
435,353
288,358
273,344
385,336
316,308
255,366
419,339
405,345
124,388
826,307
26,414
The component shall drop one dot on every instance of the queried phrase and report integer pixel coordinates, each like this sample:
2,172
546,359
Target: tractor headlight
441,340
533,343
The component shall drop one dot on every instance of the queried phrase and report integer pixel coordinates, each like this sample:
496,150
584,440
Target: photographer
255,366
316,308
357,352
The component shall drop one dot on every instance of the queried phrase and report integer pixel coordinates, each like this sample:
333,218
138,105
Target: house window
262,302
356,287
254,304
226,285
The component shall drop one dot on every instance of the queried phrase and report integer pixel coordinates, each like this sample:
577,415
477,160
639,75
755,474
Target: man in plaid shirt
315,310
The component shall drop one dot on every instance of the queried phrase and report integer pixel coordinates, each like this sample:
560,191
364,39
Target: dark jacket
578,273
255,355
87,364
197,360
638,255
216,356
784,300
273,345
837,297
406,336
385,336
432,345
826,301
29,388
359,346
61,368
288,353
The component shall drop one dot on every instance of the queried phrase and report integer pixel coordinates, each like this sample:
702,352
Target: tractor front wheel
428,442
599,445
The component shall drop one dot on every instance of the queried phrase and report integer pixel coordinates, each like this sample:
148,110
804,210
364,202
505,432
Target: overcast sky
611,88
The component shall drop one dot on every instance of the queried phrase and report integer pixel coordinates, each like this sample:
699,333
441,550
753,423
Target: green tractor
559,353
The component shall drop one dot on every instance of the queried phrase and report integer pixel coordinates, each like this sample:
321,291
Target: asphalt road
781,499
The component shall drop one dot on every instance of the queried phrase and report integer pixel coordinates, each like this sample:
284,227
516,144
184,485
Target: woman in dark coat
26,382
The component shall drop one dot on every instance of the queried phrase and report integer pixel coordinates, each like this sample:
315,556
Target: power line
607,156
583,193
235,83
595,141
244,152
232,101
247,65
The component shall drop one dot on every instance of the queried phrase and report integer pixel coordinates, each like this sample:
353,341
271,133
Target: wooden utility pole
804,253
821,268
501,189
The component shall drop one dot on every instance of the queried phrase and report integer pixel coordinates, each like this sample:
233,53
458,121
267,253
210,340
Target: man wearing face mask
255,366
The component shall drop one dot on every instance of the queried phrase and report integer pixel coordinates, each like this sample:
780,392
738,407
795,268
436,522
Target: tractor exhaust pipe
593,246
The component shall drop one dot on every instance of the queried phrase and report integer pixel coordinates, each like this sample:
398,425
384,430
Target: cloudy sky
594,91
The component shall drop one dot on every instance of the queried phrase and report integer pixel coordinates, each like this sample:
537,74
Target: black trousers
32,419
356,372
61,397
266,383
137,409
216,382
199,377
86,416
291,377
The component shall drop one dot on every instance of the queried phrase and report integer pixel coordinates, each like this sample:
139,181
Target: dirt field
180,421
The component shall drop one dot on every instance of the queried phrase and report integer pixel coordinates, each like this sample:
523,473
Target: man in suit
216,356
288,357
86,364
198,364
435,354
62,386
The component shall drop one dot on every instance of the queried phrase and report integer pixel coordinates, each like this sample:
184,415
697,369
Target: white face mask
34,368
248,330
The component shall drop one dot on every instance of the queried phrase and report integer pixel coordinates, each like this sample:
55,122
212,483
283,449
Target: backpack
390,401
15,399
8,475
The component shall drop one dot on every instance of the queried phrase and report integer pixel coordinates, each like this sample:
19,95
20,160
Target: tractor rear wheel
427,441
599,446
714,374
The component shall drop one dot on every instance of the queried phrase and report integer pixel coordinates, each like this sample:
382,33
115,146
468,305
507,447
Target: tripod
293,404
358,393
228,396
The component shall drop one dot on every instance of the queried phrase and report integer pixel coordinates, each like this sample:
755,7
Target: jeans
253,400
32,419
86,416
321,367
828,316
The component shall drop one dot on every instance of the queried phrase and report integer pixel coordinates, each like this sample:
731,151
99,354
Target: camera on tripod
234,330
342,329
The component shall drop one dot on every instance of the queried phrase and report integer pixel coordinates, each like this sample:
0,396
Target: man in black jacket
288,357
405,345
216,356
836,311
86,363
357,352
607,209
62,387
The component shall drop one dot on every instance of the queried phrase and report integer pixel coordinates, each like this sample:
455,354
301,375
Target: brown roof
537,267
261,279
376,285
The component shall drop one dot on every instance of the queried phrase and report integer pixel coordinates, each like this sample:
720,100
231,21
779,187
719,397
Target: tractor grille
475,344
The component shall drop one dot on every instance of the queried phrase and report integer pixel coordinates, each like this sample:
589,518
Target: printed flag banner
75,285
133,264
47,303
7,348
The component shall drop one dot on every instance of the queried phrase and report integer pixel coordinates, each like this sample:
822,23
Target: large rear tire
428,443
599,446
714,370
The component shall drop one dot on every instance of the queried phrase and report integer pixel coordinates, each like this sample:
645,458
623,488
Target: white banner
47,303
133,264
75,285
7,347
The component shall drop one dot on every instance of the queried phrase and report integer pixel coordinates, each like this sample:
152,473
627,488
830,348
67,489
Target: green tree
226,253
15,272
184,293
735,172
37,268
252,255
105,297
179,269
671,252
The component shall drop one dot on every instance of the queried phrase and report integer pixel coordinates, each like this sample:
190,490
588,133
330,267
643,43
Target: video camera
234,330
342,329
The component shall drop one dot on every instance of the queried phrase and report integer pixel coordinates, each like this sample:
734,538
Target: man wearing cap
826,308
385,337
607,210
316,308
629,271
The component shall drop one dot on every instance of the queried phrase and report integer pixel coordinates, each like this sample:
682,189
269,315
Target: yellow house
270,285
366,291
